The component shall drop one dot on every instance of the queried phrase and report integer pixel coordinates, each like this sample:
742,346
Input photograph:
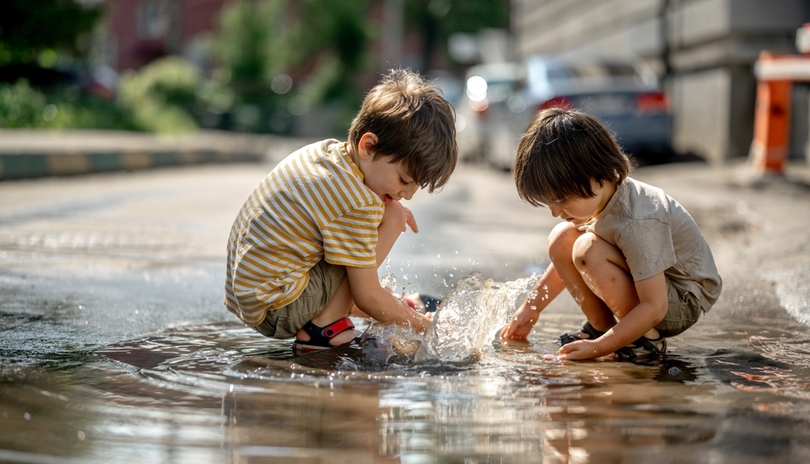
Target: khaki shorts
285,322
684,310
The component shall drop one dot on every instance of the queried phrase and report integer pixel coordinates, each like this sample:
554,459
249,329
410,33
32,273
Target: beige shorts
285,322
684,310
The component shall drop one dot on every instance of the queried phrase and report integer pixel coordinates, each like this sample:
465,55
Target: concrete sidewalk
29,153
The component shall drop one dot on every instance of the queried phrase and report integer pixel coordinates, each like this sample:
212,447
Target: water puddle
222,393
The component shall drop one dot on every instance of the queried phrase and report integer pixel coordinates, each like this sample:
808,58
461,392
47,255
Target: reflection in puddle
221,393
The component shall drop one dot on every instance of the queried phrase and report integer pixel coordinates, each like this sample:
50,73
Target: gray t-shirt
656,234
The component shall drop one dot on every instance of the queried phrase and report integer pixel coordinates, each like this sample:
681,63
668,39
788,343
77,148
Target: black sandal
320,338
643,348
587,328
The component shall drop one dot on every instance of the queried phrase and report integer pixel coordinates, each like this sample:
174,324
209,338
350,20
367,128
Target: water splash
793,291
469,317
383,347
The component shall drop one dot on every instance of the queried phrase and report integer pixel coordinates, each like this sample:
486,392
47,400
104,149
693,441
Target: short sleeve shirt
313,205
656,234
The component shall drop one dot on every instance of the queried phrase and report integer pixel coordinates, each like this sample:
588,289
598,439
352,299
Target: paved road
91,260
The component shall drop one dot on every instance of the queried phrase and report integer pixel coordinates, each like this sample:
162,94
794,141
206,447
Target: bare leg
560,249
604,270
342,302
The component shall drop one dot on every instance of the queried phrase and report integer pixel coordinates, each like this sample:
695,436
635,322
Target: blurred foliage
164,96
23,106
436,20
276,59
325,45
252,45
30,30
260,42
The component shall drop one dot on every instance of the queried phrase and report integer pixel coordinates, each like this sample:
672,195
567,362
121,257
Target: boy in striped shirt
305,247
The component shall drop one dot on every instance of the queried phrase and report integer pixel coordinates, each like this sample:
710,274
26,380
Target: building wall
144,30
703,49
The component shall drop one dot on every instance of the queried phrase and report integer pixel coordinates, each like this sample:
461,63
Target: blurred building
140,31
704,49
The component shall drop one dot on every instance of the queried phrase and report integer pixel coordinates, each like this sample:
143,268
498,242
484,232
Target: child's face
388,180
579,210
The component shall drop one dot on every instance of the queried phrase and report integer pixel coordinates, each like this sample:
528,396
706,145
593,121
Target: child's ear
365,147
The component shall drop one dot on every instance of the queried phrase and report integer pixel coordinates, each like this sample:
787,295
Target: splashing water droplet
469,317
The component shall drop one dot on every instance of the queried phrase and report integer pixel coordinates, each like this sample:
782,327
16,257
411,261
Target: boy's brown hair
414,125
560,152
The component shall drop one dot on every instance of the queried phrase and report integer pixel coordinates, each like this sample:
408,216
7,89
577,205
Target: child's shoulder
636,191
314,151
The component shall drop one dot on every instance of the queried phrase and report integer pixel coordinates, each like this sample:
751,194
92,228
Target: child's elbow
660,312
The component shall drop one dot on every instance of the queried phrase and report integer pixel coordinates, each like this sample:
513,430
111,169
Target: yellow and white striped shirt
312,206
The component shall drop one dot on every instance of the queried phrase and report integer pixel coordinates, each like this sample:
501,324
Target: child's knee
586,249
561,239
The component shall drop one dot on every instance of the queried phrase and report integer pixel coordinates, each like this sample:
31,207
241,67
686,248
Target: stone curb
29,165
29,153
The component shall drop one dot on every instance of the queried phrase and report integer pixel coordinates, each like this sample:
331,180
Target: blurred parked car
625,95
484,85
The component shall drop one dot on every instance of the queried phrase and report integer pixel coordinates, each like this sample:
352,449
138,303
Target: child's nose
407,192
555,210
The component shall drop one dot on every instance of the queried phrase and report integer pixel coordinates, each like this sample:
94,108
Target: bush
160,96
23,106
165,95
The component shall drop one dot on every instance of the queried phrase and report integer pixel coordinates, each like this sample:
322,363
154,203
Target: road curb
26,153
30,165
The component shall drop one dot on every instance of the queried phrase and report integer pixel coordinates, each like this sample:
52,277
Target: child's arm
651,309
379,303
547,288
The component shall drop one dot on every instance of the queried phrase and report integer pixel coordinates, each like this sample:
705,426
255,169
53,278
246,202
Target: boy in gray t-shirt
632,257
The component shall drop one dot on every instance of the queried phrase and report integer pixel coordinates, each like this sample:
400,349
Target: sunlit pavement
102,257
114,340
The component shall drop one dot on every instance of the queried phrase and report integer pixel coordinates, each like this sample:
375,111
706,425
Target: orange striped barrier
776,74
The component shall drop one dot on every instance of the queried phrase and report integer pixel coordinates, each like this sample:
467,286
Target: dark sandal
587,328
320,337
643,348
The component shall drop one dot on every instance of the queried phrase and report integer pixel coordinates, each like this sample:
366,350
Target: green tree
252,43
29,28
436,20
259,41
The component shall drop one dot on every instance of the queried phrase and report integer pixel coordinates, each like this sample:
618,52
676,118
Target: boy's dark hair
413,123
560,152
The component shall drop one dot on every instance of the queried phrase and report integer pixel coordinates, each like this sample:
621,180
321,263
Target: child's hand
410,221
582,349
521,324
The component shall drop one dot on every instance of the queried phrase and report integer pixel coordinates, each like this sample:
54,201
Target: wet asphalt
95,259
